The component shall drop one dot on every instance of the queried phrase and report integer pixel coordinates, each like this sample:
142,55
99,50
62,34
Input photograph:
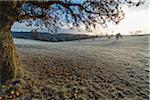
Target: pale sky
136,18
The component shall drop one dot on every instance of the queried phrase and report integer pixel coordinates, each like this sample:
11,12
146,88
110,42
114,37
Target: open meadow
99,69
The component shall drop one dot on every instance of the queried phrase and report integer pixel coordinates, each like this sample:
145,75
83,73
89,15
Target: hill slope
50,37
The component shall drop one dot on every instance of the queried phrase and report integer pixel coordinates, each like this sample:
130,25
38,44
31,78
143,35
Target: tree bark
9,64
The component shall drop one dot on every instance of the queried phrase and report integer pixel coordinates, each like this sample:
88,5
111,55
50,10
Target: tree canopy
53,14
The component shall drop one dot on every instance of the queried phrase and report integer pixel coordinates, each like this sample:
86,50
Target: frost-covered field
87,69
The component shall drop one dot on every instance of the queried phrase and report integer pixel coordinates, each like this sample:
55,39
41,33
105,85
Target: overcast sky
136,18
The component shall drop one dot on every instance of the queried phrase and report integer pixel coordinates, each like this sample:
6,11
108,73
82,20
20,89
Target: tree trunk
9,64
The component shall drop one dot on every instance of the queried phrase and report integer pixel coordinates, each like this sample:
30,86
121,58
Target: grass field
99,69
